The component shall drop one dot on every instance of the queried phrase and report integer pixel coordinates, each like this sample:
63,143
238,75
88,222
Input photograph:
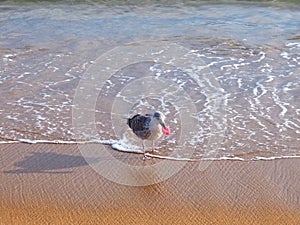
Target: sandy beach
224,73
53,184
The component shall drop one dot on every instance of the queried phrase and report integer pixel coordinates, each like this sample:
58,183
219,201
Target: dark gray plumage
140,125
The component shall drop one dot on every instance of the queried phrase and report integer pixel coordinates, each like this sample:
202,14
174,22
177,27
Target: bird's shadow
49,162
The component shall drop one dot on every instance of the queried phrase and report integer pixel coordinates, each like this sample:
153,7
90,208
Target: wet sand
53,184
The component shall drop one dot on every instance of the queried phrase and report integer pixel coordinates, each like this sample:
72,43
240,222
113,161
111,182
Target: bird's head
161,120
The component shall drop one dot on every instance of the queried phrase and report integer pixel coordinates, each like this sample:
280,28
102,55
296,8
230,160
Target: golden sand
53,184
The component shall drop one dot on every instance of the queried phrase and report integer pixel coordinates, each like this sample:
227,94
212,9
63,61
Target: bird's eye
156,114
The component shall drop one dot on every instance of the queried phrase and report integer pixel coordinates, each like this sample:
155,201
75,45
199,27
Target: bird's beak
162,124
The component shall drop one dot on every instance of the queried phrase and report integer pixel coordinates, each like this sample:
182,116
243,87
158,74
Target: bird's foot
154,151
145,157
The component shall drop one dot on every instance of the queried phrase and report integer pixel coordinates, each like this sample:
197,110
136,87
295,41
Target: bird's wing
140,126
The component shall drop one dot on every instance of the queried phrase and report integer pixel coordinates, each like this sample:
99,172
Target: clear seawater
225,73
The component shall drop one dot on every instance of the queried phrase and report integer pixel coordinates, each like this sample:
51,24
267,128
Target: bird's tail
129,122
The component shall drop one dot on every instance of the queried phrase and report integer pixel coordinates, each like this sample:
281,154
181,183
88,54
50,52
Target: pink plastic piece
166,131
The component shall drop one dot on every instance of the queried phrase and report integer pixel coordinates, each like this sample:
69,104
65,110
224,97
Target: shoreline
46,183
114,145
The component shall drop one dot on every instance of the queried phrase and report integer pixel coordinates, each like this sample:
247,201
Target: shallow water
225,75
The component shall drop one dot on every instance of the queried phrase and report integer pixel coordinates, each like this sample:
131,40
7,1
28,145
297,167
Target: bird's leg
143,146
144,151
152,146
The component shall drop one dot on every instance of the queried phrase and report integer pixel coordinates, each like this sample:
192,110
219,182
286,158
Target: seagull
148,127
